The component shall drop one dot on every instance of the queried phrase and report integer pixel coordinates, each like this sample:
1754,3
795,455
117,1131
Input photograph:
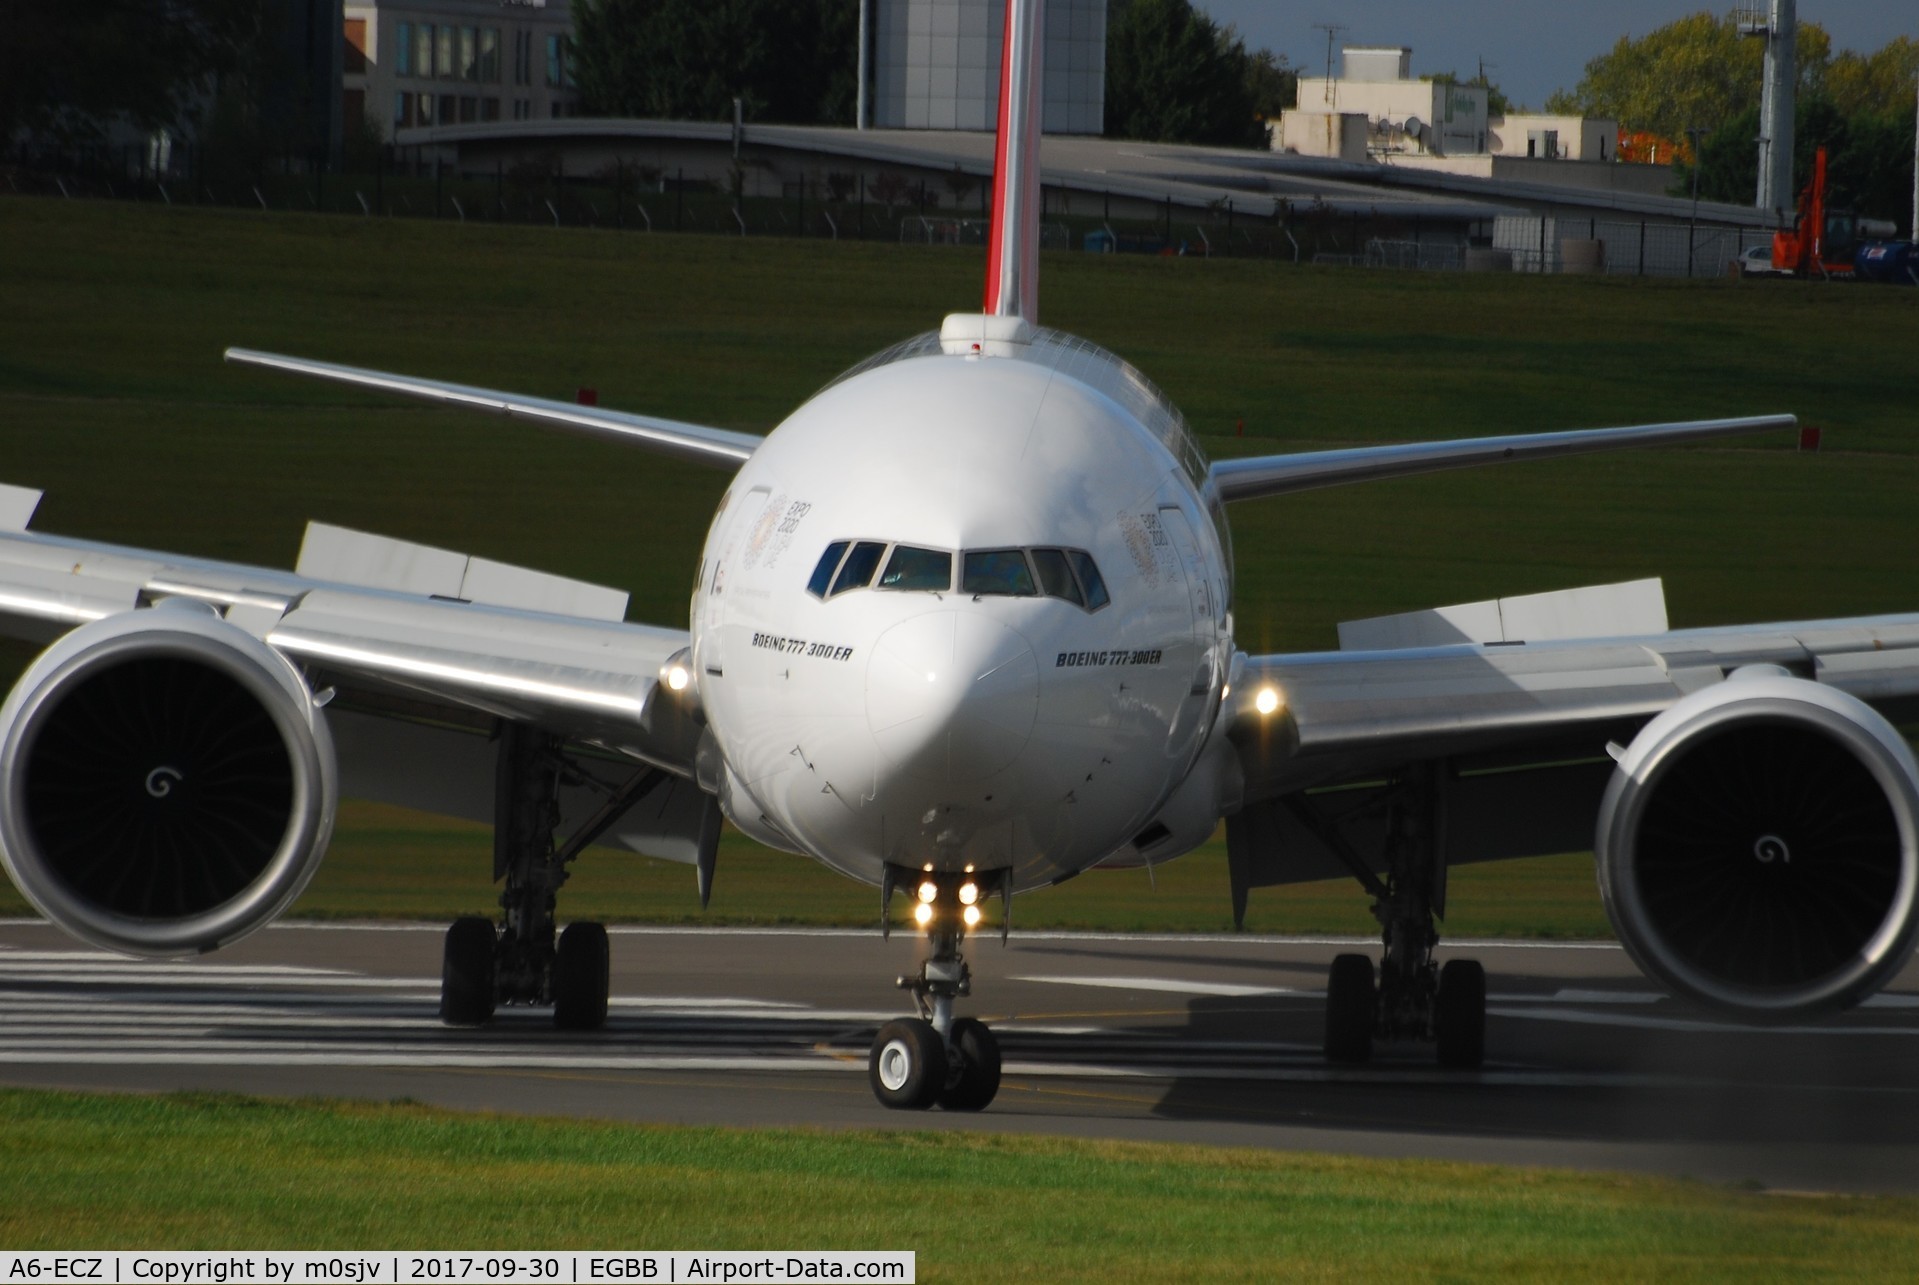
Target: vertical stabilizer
1012,264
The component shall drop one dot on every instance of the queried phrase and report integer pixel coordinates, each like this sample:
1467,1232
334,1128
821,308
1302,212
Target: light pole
1692,230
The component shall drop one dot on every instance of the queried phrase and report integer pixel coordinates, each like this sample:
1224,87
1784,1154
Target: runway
1206,1040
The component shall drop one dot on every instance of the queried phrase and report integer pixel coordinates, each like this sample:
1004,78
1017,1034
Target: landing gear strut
1412,998
937,1058
522,962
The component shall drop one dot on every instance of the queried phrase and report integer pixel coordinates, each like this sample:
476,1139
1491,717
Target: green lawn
113,398
198,1172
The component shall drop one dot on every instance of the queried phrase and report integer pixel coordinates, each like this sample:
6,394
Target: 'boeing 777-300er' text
963,628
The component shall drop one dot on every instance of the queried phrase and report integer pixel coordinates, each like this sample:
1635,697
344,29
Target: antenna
1332,30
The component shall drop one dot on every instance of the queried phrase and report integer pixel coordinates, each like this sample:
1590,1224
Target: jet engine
167,783
1758,847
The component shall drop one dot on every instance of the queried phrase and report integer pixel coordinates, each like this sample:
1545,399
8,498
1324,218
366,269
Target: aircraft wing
420,654
697,442
1525,733
1257,476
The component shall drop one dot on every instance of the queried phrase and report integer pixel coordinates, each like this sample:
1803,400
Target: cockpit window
857,571
1068,574
924,569
998,571
1055,577
1089,579
829,563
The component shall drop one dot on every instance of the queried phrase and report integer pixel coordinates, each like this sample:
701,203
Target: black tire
467,971
907,1067
1352,1006
581,978
1459,1015
974,1081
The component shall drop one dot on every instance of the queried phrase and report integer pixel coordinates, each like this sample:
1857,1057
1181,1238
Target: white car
1756,261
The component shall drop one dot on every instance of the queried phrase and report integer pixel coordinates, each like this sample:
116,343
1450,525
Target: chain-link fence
1641,247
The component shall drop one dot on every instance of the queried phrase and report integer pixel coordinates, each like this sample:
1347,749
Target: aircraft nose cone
951,695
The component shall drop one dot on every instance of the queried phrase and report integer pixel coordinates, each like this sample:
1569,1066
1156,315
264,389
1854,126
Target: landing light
971,915
929,892
923,914
677,677
1267,701
969,893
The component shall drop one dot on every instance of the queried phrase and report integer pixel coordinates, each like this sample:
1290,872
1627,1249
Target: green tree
1175,76
1868,158
1696,71
1877,83
70,69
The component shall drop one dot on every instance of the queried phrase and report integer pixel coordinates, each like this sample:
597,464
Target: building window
403,49
489,109
469,53
469,109
402,110
426,109
555,69
449,110
443,56
355,55
423,50
490,55
522,57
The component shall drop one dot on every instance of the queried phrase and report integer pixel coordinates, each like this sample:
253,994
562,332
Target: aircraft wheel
1351,1009
1459,1014
467,972
907,1067
973,1082
580,978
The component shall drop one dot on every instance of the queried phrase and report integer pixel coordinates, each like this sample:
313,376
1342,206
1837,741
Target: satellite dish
1413,127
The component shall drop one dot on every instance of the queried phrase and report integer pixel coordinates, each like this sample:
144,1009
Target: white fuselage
939,726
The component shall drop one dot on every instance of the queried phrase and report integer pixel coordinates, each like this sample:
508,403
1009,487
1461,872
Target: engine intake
167,784
1758,848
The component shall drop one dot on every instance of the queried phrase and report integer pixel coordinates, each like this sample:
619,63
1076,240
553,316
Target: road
1208,1040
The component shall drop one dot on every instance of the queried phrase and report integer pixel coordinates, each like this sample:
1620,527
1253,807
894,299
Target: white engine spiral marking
160,781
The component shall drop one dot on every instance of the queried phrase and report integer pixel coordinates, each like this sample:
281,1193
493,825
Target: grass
206,1172
112,398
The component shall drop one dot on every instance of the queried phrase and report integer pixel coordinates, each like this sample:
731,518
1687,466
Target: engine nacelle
1758,848
167,784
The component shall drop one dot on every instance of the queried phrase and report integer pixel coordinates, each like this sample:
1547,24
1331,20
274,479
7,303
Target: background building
1401,114
448,62
934,64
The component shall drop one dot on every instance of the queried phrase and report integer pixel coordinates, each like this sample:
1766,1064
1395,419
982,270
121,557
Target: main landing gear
1413,998
935,1057
522,962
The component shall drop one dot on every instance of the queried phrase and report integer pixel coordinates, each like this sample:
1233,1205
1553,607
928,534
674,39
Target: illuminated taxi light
972,916
677,677
1267,701
969,893
922,914
929,891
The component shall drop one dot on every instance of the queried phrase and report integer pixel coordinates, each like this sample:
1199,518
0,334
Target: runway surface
1208,1040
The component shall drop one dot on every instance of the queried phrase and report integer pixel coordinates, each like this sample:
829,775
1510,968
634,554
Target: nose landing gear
936,1058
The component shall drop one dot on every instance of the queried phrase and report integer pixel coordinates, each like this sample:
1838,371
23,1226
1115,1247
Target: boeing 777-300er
963,628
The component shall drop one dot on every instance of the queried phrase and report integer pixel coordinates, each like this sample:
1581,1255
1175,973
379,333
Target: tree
1697,71
786,60
1868,158
1877,83
1174,76
68,70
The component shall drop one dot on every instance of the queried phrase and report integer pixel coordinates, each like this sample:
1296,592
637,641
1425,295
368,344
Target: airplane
963,628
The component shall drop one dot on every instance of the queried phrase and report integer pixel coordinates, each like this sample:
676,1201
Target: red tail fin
1012,264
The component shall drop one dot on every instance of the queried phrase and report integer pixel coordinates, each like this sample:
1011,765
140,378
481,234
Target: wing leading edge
717,446
1255,477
